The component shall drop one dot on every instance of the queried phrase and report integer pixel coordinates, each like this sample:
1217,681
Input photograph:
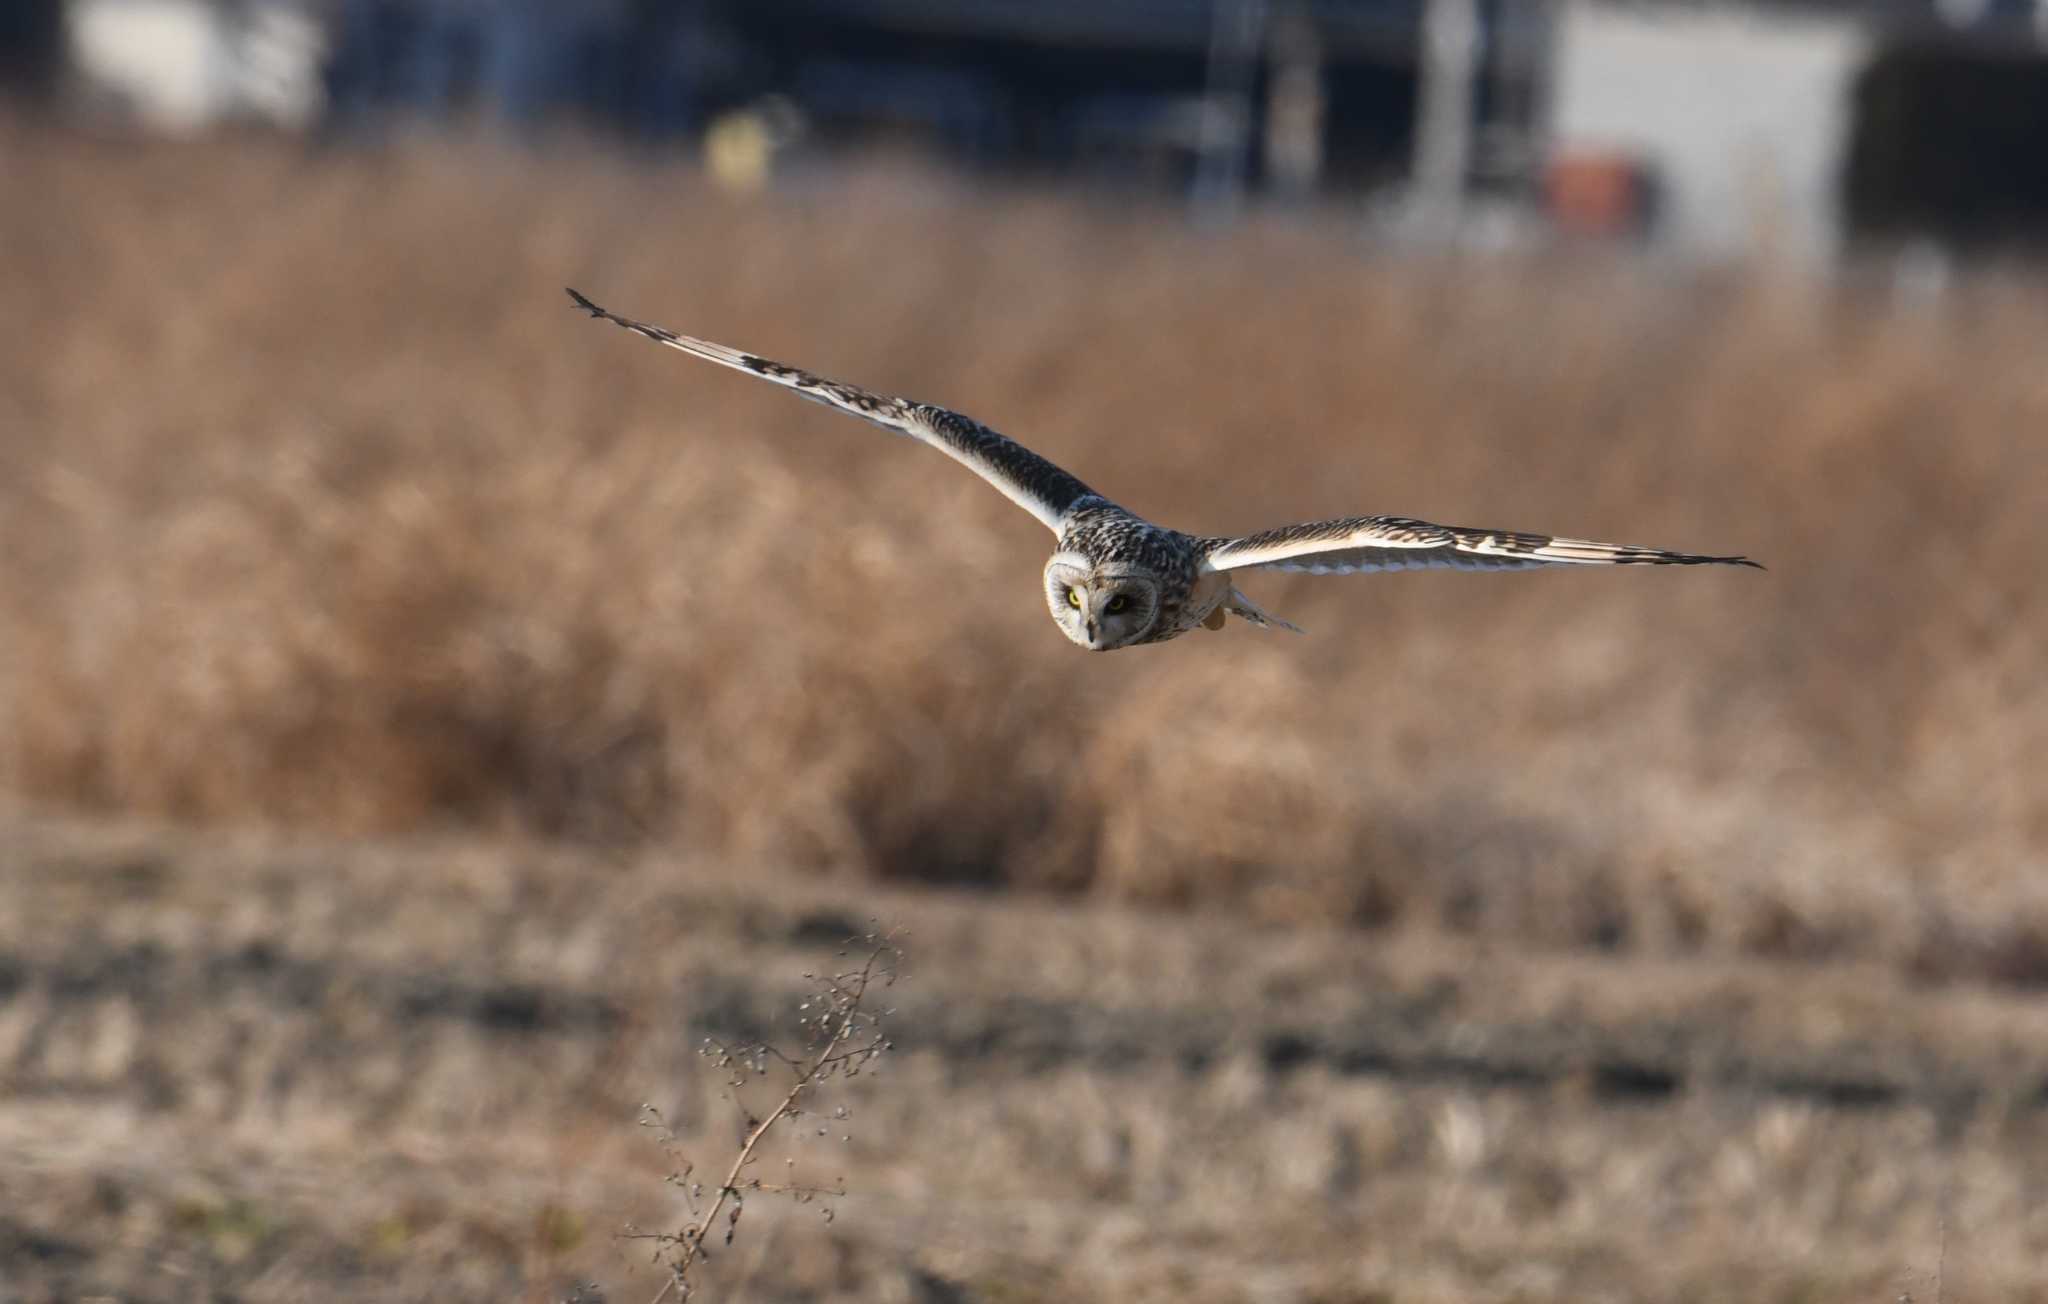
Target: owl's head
1100,607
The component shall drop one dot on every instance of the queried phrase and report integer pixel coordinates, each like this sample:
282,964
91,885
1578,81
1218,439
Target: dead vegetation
321,509
840,1025
263,1070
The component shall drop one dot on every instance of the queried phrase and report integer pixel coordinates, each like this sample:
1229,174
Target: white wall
180,67
1744,116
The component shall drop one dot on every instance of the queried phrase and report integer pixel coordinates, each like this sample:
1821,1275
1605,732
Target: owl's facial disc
1099,609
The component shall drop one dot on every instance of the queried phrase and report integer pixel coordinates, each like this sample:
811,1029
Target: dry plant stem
692,1239
846,1001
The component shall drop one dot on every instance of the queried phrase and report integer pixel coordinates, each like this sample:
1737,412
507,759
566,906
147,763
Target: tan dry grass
282,1070
320,507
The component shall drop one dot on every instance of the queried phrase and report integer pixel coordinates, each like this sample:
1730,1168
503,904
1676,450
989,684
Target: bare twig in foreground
845,1034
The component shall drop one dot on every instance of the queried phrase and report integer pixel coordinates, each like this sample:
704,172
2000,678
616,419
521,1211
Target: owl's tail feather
1237,604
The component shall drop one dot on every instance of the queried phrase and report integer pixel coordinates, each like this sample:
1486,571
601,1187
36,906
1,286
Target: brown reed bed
320,508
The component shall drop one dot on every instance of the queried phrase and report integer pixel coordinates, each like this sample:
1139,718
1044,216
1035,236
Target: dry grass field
425,712
253,1070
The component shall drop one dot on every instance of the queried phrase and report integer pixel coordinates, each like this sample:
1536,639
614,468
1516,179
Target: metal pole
1443,116
1234,36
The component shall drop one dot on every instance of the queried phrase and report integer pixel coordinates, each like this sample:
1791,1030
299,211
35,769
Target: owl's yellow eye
1074,598
1117,603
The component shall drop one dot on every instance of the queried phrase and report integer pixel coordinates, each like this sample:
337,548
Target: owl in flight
1117,580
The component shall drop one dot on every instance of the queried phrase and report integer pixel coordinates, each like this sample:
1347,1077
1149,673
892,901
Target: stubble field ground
424,715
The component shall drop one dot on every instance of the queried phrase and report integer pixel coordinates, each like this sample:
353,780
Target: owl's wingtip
584,303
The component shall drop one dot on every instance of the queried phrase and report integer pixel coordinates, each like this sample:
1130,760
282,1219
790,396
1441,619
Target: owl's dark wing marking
1386,543
1022,476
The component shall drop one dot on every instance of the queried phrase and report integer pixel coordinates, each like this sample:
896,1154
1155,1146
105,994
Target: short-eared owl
1116,579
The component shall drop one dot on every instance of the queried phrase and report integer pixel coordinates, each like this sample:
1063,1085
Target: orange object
1599,194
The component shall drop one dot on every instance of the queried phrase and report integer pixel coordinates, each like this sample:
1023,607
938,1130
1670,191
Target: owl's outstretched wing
1025,478
1388,543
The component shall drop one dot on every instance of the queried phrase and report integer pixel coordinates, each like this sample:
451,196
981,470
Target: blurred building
1949,141
1214,95
31,48
1724,128
1801,125
185,65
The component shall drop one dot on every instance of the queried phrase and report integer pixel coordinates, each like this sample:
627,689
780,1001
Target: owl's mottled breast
1110,536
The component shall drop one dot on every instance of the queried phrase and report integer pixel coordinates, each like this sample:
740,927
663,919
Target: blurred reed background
324,510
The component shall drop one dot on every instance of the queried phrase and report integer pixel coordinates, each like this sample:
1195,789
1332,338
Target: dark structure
31,48
1296,94
1950,142
1153,88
